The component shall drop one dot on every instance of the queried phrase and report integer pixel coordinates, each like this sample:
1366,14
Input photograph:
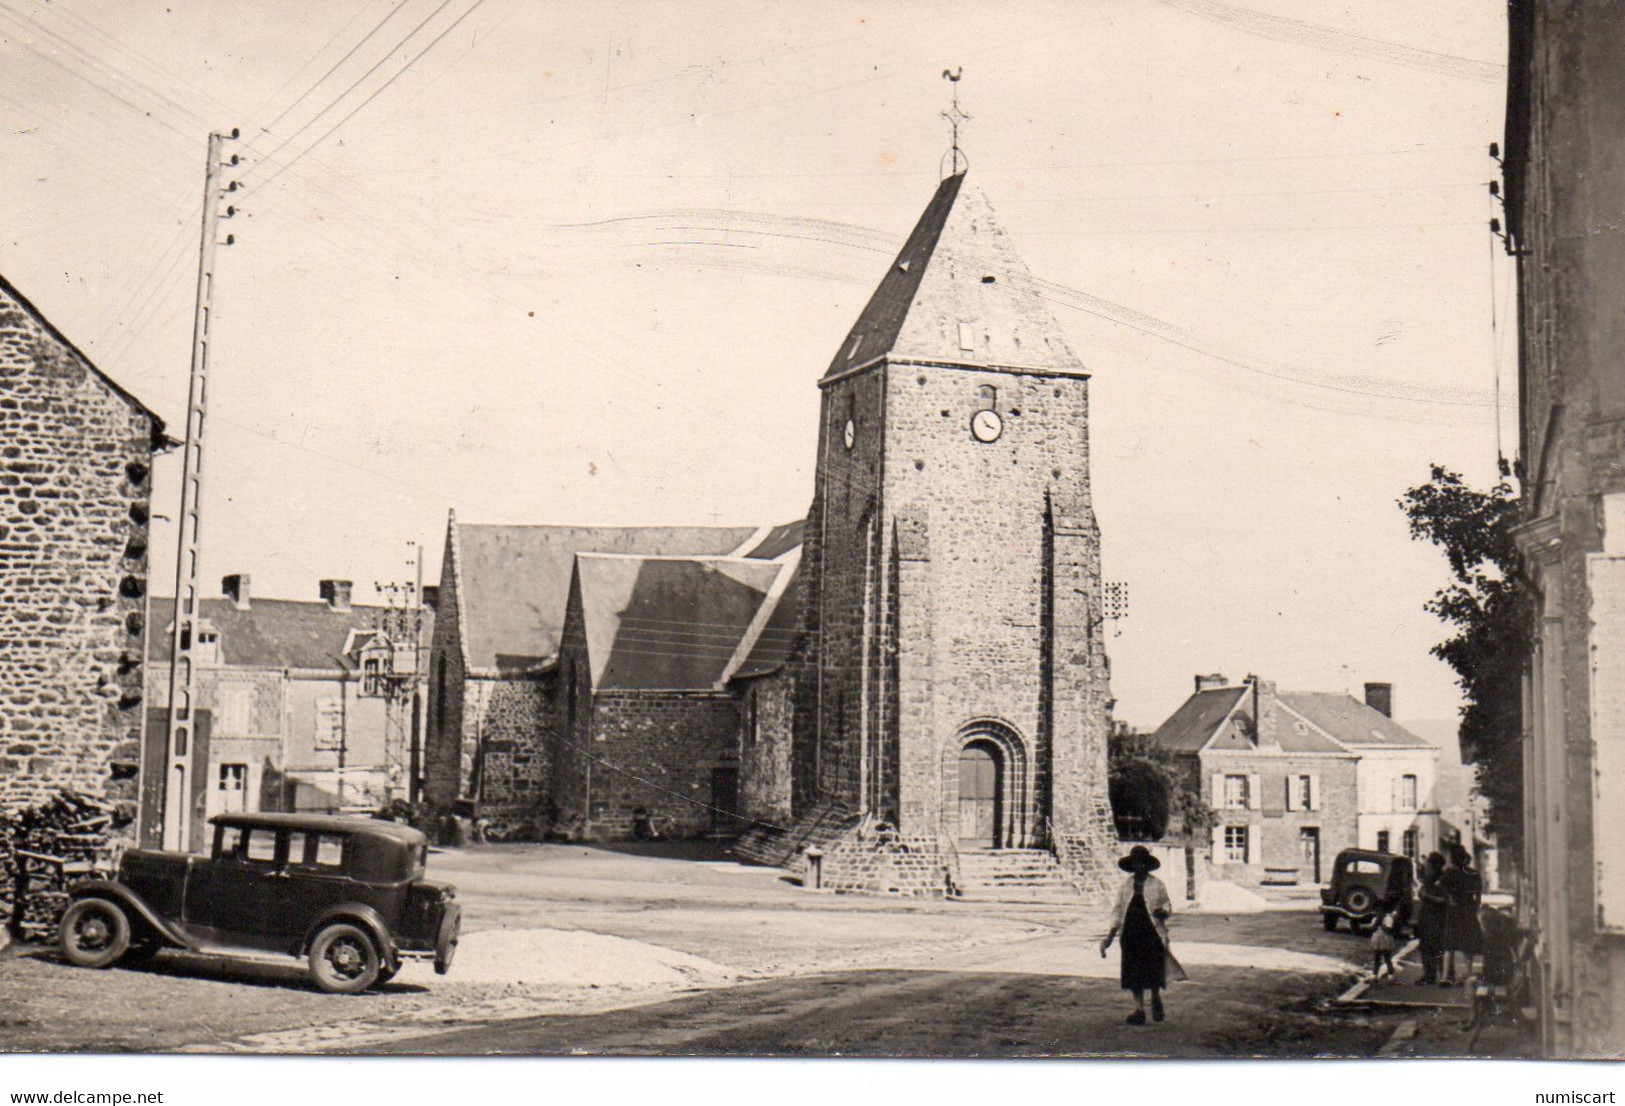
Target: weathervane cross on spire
958,162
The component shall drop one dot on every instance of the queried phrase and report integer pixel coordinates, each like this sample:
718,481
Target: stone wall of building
884,862
1006,537
767,709
659,751
515,723
1274,832
75,490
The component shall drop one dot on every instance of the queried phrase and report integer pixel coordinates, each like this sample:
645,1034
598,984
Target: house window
372,676
1407,793
207,650
1235,793
233,777
329,725
1382,841
1408,844
1235,844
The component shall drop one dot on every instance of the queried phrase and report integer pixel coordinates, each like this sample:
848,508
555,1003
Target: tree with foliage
1489,607
1152,797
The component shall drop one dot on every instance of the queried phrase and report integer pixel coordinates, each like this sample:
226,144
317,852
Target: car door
231,896
315,880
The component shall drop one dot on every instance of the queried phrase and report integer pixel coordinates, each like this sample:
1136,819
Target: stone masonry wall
658,751
1000,651
884,862
1274,832
75,486
516,724
767,704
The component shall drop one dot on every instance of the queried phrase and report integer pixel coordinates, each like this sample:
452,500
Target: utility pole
178,784
400,625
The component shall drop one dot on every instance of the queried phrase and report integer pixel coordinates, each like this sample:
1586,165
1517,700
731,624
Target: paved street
572,950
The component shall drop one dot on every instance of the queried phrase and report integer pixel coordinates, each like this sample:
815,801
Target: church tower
957,685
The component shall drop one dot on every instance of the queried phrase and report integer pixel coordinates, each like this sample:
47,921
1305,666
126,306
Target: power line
375,93
350,53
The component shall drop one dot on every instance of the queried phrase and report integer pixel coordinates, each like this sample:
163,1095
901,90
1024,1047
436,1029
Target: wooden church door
979,796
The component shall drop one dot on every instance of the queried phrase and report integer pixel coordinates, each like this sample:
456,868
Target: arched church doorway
981,795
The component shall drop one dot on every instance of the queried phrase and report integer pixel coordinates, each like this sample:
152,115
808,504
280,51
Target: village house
295,711
1294,778
76,454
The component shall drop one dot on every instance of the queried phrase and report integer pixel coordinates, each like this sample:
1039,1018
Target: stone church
911,680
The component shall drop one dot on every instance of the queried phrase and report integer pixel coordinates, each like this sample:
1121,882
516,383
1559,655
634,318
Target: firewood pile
44,849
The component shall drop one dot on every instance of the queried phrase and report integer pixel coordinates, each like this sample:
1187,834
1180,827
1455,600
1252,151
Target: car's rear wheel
343,960
1329,921
95,933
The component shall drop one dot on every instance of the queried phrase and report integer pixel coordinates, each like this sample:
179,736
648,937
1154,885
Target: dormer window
207,649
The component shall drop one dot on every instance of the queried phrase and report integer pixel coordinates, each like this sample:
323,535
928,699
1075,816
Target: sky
584,263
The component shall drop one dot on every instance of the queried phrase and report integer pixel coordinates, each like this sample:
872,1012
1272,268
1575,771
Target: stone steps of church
1012,875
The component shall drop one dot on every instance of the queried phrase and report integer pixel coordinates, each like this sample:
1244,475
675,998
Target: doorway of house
1309,843
981,771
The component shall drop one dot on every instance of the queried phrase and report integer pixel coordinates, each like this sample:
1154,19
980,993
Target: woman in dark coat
1462,888
1142,909
1431,908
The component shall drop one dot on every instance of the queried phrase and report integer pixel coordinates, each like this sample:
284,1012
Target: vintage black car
347,894
1362,880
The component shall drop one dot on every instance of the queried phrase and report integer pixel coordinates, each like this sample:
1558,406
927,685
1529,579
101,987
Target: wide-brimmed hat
1139,859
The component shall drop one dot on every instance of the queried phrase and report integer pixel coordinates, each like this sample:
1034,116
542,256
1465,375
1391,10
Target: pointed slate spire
957,293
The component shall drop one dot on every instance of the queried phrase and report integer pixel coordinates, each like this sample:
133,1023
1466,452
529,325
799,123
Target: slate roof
513,581
1350,721
272,633
1304,719
778,541
666,623
778,634
1190,727
957,267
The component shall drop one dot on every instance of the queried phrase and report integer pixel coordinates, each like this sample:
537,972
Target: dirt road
575,950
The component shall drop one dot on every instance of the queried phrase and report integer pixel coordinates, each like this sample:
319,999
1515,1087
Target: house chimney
1380,698
236,588
1209,682
1264,714
336,594
431,596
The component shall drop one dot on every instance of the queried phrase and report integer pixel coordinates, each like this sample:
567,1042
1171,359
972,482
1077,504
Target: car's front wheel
343,960
1329,921
95,933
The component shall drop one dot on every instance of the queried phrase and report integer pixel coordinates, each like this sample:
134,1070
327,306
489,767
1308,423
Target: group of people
1446,921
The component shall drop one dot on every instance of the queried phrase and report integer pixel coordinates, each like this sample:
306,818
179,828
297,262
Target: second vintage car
1364,883
346,894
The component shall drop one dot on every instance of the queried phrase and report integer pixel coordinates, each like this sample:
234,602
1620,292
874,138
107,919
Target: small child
1384,941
